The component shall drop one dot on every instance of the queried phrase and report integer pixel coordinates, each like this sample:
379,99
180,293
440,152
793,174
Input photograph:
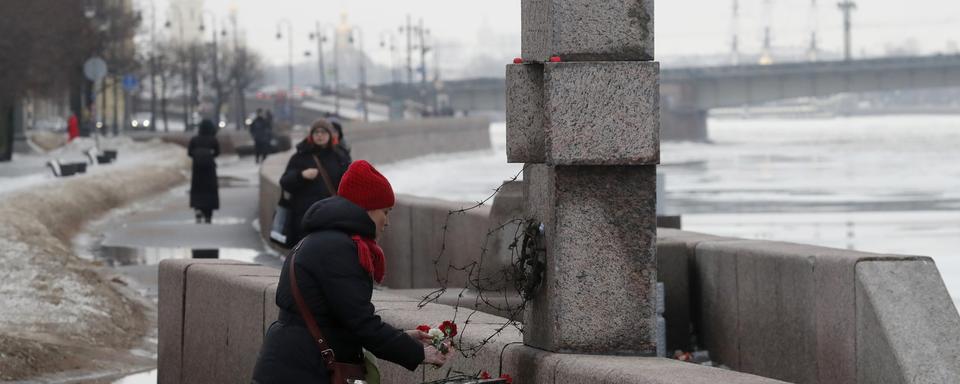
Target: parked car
140,121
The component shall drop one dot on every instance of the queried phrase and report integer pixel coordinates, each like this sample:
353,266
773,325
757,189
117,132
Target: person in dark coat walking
336,266
302,178
204,192
261,129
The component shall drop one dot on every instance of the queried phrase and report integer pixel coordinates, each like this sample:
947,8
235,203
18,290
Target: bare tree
237,70
246,71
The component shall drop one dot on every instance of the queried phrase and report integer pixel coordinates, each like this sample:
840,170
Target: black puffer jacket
303,192
338,292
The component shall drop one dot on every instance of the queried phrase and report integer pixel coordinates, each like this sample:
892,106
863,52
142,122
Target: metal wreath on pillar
583,111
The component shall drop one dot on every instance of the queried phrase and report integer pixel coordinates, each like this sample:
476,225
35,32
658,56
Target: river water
886,184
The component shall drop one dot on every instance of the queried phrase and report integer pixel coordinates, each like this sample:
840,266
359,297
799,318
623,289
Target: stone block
602,113
525,119
672,271
588,369
587,30
600,251
776,293
172,290
717,277
443,243
397,247
223,322
427,218
907,324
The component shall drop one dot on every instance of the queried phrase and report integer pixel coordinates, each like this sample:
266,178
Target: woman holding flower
332,270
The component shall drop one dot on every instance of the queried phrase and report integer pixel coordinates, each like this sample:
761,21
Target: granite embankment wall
213,315
782,311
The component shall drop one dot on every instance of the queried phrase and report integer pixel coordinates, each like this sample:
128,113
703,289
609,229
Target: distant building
187,14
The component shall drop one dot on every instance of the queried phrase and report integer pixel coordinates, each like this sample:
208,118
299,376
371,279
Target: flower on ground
507,378
423,328
436,334
484,375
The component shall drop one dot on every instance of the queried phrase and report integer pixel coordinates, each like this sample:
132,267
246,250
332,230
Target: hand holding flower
420,335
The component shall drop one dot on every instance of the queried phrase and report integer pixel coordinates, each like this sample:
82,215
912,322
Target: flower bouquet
439,335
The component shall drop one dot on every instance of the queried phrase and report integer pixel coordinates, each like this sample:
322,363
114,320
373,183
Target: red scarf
371,257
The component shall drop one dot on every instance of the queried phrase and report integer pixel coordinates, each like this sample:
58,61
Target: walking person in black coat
261,130
336,266
204,192
303,178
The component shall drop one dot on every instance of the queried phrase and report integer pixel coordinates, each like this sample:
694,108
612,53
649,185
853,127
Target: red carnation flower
423,328
507,378
484,375
449,328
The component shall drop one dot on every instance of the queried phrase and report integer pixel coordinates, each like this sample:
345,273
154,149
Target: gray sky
464,29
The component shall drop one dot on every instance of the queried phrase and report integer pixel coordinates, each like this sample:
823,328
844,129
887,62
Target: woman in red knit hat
327,280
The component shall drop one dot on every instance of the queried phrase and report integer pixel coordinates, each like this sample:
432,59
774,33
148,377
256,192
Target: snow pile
47,141
47,294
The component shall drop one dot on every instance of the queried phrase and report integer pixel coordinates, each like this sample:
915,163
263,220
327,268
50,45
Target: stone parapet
811,314
224,307
804,314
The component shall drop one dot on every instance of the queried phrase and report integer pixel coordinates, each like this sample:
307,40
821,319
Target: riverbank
62,313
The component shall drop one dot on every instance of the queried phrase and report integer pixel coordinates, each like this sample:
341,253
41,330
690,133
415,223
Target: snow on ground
51,300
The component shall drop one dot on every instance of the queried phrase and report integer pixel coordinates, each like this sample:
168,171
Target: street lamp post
321,38
184,78
153,66
216,65
421,34
394,72
289,65
363,71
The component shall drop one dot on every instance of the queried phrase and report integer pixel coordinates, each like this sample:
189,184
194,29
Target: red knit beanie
366,187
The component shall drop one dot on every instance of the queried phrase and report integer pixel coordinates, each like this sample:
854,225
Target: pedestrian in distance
73,127
204,191
326,316
312,174
261,133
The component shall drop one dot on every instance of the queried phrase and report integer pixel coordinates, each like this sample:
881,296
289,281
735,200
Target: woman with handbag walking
312,174
324,294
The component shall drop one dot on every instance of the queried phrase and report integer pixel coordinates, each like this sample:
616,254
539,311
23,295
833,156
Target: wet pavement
133,240
164,227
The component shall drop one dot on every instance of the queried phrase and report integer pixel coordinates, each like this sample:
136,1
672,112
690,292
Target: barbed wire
485,286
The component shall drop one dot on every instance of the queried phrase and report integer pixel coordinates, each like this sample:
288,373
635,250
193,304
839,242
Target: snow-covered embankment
53,304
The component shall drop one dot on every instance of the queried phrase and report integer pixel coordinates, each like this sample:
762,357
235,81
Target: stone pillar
587,122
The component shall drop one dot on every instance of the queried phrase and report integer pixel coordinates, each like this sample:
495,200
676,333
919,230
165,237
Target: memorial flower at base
484,375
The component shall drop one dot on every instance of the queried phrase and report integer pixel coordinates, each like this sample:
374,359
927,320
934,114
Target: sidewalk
136,239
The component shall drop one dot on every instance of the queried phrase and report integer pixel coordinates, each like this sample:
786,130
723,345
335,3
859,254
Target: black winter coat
204,192
338,292
303,193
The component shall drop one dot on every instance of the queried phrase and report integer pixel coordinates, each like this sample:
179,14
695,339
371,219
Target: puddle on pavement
124,256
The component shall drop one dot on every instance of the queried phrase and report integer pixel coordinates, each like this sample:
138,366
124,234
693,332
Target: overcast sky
684,27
